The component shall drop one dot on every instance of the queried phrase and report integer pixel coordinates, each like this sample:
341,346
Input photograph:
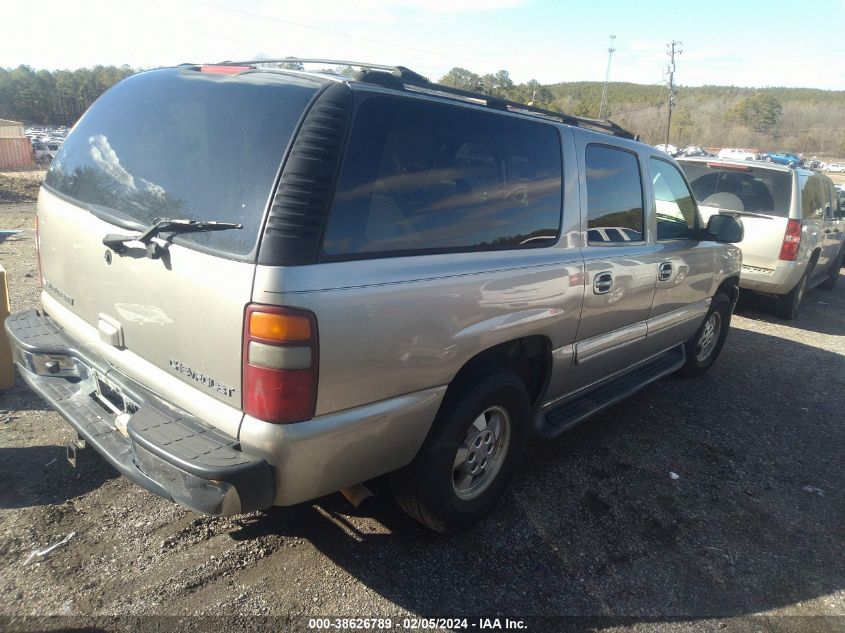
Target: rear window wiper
170,226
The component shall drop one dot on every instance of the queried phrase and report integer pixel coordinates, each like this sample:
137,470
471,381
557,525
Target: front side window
614,196
677,215
421,177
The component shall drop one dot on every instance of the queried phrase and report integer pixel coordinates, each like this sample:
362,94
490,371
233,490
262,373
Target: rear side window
614,196
183,144
740,188
814,197
423,177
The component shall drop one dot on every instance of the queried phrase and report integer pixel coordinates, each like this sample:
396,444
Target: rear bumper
778,281
160,447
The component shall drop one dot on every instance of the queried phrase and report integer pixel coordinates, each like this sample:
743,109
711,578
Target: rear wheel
703,348
787,306
470,455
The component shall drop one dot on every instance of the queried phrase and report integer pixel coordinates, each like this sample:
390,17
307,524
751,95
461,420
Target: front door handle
665,271
602,283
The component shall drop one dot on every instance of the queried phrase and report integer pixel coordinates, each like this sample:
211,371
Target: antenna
610,52
672,49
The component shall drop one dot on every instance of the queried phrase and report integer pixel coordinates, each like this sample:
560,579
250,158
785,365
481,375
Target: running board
577,408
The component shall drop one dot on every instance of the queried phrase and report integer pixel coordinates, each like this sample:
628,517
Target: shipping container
10,129
16,153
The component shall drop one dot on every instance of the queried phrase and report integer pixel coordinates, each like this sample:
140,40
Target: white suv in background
794,225
737,154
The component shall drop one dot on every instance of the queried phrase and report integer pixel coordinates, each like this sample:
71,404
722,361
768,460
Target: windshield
184,144
740,188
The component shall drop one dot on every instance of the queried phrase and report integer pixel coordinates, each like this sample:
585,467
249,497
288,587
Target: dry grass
20,186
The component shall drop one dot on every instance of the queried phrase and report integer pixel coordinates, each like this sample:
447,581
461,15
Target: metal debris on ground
39,555
814,490
674,475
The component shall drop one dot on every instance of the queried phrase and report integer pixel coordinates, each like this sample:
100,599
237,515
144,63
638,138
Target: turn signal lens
279,327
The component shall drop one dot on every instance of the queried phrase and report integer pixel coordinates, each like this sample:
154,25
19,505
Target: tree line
54,97
793,119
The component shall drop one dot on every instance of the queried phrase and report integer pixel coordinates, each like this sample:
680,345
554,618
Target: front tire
470,455
703,348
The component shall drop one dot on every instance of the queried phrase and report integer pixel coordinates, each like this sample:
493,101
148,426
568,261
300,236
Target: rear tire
470,455
703,349
788,306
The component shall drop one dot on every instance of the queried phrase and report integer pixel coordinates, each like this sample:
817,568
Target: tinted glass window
427,177
813,197
184,144
677,216
614,195
740,188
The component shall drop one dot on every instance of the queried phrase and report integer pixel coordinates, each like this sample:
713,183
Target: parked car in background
834,167
44,151
668,148
736,154
794,227
693,150
274,343
783,158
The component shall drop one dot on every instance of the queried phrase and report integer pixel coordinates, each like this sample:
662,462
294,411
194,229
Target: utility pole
610,52
672,49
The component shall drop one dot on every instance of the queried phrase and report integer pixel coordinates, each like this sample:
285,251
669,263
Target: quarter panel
417,320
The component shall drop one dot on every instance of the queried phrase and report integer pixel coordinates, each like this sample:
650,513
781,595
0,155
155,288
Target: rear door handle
665,271
602,283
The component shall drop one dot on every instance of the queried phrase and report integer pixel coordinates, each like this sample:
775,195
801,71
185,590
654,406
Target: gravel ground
748,537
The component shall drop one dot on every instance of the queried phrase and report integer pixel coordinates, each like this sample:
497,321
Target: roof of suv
403,79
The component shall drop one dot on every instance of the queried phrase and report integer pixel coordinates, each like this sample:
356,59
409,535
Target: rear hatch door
173,143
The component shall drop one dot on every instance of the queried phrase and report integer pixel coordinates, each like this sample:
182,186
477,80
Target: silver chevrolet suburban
262,285
794,226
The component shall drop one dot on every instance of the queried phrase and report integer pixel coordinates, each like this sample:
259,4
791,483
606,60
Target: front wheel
703,348
470,455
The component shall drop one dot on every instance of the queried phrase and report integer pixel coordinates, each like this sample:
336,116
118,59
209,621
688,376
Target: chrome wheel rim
709,336
481,454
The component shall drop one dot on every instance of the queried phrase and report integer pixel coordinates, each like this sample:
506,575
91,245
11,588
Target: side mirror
725,228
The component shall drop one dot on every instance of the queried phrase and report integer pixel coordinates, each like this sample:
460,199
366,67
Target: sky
750,43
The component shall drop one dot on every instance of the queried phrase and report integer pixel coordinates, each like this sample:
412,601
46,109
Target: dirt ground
595,534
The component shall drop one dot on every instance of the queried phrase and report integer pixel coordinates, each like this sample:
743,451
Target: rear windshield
740,188
179,143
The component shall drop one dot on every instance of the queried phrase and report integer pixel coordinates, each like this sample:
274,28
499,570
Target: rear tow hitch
75,450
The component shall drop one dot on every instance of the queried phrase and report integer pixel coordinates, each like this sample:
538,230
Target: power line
261,16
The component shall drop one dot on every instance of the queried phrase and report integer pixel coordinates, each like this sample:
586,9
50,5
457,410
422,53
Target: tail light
38,253
791,241
280,364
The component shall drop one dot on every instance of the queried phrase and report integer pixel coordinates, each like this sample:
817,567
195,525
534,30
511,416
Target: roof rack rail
409,78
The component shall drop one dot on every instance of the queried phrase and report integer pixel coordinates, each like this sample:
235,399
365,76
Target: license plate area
112,397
